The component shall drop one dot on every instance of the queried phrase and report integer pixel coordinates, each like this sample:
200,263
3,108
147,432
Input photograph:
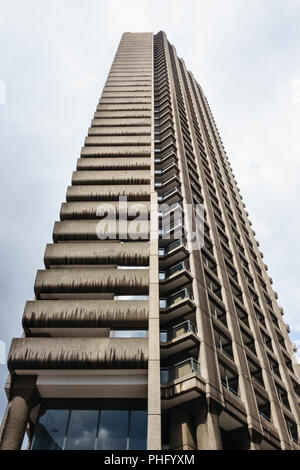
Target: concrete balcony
108,177
130,100
83,230
178,338
102,140
174,278
35,354
120,131
111,193
131,93
134,110
143,83
139,163
90,283
116,151
115,253
171,196
90,210
120,121
181,383
172,254
176,305
91,317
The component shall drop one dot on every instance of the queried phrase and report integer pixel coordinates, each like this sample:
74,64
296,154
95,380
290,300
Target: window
128,334
217,311
264,408
118,425
292,429
229,380
223,344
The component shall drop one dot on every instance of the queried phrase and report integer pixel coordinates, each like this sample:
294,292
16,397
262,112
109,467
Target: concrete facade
215,363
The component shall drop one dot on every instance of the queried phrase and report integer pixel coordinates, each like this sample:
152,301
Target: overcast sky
55,56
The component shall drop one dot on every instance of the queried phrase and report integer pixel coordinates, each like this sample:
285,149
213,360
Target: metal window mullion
66,431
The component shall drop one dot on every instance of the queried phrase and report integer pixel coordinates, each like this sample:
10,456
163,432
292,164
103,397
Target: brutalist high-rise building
138,338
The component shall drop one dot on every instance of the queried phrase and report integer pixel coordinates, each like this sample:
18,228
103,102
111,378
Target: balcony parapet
86,314
108,193
91,281
89,210
108,177
140,163
116,151
82,230
119,140
77,353
125,254
120,131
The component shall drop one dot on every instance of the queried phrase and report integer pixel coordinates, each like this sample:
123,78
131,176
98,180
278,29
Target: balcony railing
174,269
263,416
167,193
160,184
180,370
169,227
171,247
223,350
176,297
177,330
230,389
176,208
258,381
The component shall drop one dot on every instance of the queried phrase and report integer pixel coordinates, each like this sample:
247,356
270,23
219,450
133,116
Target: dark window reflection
138,430
82,430
113,430
51,430
89,429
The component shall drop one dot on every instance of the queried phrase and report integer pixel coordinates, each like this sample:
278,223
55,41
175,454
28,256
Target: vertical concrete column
255,439
182,429
23,396
208,433
154,393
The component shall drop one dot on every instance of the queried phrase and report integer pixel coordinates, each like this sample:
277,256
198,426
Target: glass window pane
128,333
113,430
138,430
82,430
50,430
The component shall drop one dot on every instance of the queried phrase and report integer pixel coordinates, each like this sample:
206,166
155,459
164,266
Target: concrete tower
142,336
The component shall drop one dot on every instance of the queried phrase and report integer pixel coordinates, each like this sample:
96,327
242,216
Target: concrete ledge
92,281
111,193
88,210
78,353
125,122
116,151
125,254
86,314
83,230
108,177
120,131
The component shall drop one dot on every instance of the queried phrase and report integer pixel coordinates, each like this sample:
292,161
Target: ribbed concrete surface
86,314
78,353
117,281
123,254
90,210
